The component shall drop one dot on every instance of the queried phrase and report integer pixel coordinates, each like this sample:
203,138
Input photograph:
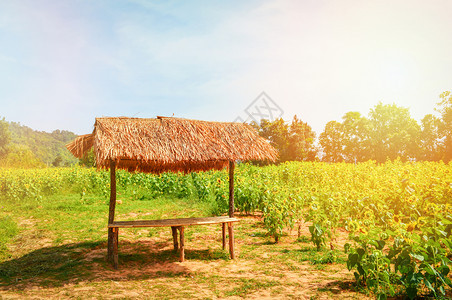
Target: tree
445,130
294,141
331,140
89,159
5,138
58,161
277,132
432,148
301,141
356,138
393,133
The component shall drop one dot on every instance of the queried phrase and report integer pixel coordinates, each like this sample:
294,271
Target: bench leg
182,246
110,245
115,247
223,231
175,243
231,240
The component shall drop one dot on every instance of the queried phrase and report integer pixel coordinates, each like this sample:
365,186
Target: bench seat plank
172,222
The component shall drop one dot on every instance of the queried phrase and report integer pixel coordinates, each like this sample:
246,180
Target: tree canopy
294,141
388,132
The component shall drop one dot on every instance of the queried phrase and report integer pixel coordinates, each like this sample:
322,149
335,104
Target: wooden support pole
182,245
117,236
175,243
111,212
231,240
223,231
231,188
115,247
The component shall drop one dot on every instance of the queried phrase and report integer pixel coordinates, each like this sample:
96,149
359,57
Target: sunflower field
398,216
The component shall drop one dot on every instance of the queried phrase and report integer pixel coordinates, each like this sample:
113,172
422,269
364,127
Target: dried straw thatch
171,144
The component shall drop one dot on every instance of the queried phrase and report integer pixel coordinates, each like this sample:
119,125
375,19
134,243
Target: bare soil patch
149,268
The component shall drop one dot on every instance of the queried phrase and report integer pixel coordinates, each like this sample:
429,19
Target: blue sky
63,63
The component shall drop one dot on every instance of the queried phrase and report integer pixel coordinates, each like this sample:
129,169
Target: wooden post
182,246
111,212
115,247
231,240
231,188
175,243
223,231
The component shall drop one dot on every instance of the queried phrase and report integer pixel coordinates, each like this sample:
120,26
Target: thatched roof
171,144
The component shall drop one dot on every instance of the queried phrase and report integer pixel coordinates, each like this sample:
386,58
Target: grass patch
59,245
329,257
303,239
246,285
8,230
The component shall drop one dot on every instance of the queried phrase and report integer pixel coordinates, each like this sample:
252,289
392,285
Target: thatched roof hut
171,144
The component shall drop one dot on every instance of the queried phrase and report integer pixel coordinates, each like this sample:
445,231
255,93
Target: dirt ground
149,268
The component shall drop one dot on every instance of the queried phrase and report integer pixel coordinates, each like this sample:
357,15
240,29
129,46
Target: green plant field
389,224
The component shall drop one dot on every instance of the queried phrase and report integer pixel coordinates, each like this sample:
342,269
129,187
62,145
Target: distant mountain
50,148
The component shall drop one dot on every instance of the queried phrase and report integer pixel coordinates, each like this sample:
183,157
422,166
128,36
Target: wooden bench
175,224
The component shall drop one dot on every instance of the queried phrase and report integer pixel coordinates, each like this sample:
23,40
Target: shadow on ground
338,286
86,261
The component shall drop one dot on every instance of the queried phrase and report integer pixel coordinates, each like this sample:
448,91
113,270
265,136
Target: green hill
48,148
